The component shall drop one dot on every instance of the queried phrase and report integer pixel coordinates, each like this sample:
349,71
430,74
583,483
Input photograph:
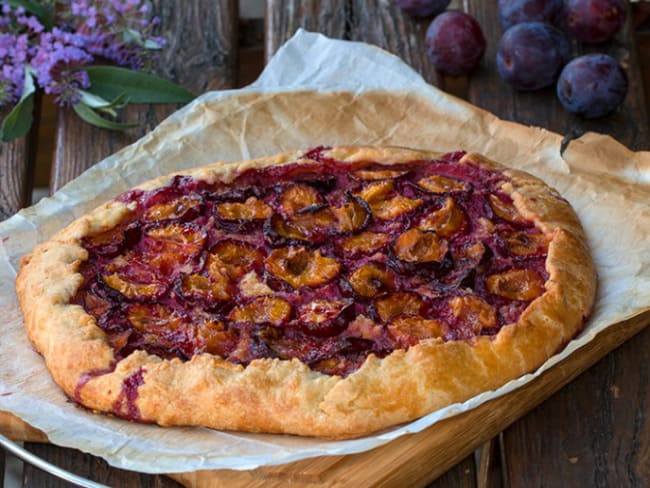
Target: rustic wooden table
593,432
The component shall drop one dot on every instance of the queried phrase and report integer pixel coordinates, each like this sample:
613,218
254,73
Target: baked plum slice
409,330
233,259
473,313
417,246
312,350
442,184
208,291
503,207
313,224
114,241
353,216
299,266
378,172
394,304
153,318
243,216
134,290
184,207
523,243
325,317
316,223
364,242
338,365
384,202
371,279
213,337
516,284
168,248
299,197
263,310
444,221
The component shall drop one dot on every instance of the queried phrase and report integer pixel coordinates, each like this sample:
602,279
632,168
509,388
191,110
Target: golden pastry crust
286,396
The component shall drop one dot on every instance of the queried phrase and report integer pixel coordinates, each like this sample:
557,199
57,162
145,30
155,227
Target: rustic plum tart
332,292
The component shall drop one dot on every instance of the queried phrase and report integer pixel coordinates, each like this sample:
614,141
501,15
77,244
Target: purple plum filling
326,262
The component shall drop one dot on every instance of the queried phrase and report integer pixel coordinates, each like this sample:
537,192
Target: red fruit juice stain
89,375
125,407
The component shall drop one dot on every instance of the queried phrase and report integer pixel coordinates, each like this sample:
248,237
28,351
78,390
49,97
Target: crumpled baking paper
318,91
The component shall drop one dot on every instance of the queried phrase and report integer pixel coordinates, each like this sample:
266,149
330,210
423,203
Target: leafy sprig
57,50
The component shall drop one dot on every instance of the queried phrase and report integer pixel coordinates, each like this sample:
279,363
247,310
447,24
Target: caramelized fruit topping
408,330
516,284
385,206
396,304
324,262
505,210
252,208
445,221
365,242
370,279
379,174
233,259
442,184
474,311
415,245
299,266
263,310
524,243
174,209
299,197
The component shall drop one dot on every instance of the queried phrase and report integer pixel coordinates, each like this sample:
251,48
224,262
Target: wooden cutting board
411,460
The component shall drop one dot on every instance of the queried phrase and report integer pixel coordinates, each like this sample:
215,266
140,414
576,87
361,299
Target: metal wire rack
37,462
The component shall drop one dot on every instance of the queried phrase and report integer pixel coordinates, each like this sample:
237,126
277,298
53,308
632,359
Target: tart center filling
327,263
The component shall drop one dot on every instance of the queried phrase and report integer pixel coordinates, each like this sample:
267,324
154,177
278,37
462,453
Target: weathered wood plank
383,24
284,17
90,467
594,432
16,171
200,55
463,475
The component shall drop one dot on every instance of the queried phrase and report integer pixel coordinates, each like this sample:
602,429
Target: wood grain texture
463,475
489,473
3,458
200,55
594,432
16,170
90,467
284,17
383,24
629,124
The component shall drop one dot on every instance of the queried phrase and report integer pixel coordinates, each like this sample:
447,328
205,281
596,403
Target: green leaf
93,101
93,118
35,8
132,35
19,120
152,45
109,82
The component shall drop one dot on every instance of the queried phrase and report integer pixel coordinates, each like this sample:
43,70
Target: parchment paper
319,91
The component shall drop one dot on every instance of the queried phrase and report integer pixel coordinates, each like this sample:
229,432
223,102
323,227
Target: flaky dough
272,395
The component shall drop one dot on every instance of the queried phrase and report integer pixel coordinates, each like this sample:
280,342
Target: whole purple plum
592,86
422,8
530,55
455,43
513,12
594,21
